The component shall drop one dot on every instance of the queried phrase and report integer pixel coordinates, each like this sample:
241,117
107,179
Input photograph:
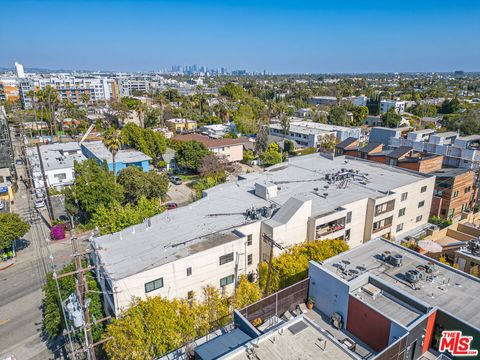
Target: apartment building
398,106
229,149
309,133
181,125
9,90
222,236
378,301
71,88
455,191
54,164
128,86
323,100
457,151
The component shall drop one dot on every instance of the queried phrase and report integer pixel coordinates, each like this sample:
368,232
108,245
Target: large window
382,224
418,218
423,189
349,217
399,227
250,259
154,285
421,204
401,212
404,196
249,239
226,258
189,271
226,280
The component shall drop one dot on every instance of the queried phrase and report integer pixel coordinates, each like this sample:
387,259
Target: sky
277,36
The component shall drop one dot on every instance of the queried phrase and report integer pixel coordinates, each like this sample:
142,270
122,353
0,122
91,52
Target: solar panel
297,327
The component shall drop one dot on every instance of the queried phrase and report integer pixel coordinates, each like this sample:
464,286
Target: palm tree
112,139
85,98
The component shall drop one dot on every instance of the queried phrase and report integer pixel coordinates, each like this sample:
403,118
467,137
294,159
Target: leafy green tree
52,316
292,265
248,156
328,142
391,119
425,110
270,157
130,102
147,141
213,167
232,91
246,293
116,217
261,140
153,118
191,154
450,106
12,227
244,118
137,183
338,116
360,113
112,139
94,186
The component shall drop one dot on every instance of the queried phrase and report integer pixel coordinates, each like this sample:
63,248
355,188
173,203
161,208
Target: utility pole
82,290
45,185
272,243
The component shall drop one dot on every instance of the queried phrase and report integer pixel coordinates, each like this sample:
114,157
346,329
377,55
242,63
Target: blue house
124,158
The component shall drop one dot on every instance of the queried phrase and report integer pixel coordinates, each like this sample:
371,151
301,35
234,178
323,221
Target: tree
248,156
140,333
212,166
261,139
450,106
328,142
270,157
94,185
425,110
115,217
285,124
244,118
112,139
137,183
153,118
232,91
292,265
246,293
140,108
338,116
391,119
147,141
53,320
85,98
12,227
360,113
190,155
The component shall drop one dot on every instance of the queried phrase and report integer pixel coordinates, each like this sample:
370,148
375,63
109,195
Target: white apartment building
56,162
19,70
398,106
457,151
309,133
71,88
223,235
128,85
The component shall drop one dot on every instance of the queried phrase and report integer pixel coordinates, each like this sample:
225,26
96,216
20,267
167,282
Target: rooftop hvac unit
371,290
395,260
413,276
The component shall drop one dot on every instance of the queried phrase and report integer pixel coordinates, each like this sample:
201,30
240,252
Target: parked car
39,203
171,206
175,180
39,193
2,204
19,162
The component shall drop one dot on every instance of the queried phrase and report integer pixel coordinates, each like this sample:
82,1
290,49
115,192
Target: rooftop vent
266,191
371,290
413,276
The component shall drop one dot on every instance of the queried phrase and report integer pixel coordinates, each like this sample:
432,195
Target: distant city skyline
279,37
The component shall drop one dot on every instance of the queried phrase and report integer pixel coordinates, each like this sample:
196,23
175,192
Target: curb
6,267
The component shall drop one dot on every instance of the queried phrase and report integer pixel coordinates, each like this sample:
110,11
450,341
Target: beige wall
231,152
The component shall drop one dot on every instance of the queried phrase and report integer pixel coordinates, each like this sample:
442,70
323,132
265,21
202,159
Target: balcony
329,228
382,224
384,208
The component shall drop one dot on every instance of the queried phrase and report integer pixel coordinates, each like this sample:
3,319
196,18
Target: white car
2,204
39,193
39,203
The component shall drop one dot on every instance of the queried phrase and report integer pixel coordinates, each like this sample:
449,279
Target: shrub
57,232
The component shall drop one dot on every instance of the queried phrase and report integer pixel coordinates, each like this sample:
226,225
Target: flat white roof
180,232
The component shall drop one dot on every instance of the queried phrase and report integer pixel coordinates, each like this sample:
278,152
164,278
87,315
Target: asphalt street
21,293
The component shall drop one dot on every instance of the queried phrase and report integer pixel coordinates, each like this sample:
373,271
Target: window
226,258
404,196
251,277
189,271
419,218
399,227
423,189
60,177
421,204
401,212
382,224
154,285
455,194
226,280
467,189
349,217
451,212
347,234
249,239
190,295
250,259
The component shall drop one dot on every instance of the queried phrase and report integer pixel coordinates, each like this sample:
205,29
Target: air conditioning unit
371,290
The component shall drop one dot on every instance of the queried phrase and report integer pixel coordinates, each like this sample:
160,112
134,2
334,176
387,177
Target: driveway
180,194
